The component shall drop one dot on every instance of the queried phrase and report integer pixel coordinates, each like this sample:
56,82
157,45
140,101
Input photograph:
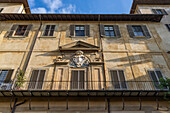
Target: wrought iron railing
86,85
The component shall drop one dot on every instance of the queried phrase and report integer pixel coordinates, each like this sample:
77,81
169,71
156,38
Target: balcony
87,88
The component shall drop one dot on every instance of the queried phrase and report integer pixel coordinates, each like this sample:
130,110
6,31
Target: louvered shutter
40,79
122,79
74,79
87,30
72,29
117,31
28,30
114,77
146,32
33,79
154,78
14,27
102,30
168,26
154,11
81,81
164,12
130,30
8,76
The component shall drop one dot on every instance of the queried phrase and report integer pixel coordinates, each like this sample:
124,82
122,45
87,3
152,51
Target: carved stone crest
79,60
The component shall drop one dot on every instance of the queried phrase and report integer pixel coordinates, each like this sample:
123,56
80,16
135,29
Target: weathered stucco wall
12,8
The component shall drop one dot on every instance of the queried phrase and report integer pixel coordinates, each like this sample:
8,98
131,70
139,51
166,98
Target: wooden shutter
117,31
33,79
168,26
14,27
87,30
154,11
81,81
72,29
164,12
130,30
102,30
154,79
122,79
115,80
8,76
74,79
28,30
145,31
40,79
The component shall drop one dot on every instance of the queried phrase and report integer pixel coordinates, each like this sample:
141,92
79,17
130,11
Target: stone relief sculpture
79,60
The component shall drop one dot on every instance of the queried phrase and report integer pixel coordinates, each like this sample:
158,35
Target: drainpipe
15,105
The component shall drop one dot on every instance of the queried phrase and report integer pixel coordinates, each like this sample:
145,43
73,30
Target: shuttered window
49,30
79,30
156,75
19,30
109,31
118,79
138,31
159,11
37,79
5,76
168,26
78,79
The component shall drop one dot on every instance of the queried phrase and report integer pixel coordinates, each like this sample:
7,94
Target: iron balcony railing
86,85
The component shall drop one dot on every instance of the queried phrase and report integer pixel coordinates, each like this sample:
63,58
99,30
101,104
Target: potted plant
20,80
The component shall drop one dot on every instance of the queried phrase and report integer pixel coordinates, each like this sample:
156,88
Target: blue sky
81,6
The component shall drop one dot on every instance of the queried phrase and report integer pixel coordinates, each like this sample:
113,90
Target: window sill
47,37
110,37
17,37
79,36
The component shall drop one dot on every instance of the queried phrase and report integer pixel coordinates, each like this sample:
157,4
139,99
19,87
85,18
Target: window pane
154,78
21,30
41,79
74,79
3,75
33,79
159,11
137,30
106,28
81,80
109,31
115,79
122,79
80,31
159,74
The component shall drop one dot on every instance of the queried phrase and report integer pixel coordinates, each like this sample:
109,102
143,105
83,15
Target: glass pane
81,28
77,28
106,28
81,81
159,74
107,33
138,30
122,79
112,33
41,79
33,79
155,80
80,33
74,79
21,30
110,28
115,79
159,11
3,75
51,32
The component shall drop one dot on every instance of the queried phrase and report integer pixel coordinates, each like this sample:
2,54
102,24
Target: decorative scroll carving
79,60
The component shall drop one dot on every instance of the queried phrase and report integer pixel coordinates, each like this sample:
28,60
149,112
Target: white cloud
39,10
71,8
53,5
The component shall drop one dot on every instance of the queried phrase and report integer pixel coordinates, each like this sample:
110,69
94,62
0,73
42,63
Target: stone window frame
44,28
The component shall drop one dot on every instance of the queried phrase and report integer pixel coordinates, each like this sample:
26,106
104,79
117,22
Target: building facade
84,63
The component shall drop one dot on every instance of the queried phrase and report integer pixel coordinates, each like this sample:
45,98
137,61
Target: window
21,30
159,11
168,26
109,31
5,76
137,30
155,76
77,79
79,31
49,30
37,79
118,79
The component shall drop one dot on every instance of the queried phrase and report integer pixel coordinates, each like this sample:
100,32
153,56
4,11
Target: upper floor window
109,31
5,76
118,79
49,30
156,75
37,79
159,11
19,30
136,31
80,30
168,26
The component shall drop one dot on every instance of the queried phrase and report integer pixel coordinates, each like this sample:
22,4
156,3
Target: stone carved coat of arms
79,60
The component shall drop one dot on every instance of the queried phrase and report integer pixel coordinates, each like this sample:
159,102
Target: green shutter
72,29
102,31
117,31
146,32
130,30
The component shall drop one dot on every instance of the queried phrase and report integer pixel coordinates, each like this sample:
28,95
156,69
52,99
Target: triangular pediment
79,45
